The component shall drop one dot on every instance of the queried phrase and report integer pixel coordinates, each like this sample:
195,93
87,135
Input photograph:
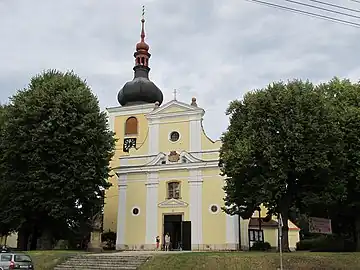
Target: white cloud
214,50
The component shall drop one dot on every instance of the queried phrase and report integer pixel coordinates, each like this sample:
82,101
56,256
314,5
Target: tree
4,230
344,97
279,147
55,157
2,109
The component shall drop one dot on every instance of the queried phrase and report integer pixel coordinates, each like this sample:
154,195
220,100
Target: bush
110,239
263,246
306,244
327,243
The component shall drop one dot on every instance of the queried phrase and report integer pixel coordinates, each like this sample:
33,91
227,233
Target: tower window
131,126
174,190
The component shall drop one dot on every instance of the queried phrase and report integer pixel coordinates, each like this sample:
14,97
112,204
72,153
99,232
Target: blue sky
213,50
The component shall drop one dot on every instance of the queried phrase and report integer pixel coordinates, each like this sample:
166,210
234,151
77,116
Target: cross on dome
142,45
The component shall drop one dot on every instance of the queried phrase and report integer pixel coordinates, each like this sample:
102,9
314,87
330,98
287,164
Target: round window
135,211
174,136
214,209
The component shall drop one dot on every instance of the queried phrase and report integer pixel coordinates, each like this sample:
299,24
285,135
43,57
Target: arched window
131,126
173,190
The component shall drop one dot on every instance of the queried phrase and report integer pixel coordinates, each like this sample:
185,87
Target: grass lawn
254,260
47,260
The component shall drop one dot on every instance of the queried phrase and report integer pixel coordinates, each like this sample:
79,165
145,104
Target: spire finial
174,94
142,24
142,54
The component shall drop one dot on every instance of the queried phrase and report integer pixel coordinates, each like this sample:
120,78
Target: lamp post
280,233
280,240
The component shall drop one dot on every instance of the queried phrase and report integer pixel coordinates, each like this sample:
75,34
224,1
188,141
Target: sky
213,50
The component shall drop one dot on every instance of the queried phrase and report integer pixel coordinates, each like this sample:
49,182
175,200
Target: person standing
157,242
167,241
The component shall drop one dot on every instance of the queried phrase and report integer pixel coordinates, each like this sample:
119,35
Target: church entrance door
186,235
179,231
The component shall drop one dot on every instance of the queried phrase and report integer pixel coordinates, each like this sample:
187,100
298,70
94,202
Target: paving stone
104,262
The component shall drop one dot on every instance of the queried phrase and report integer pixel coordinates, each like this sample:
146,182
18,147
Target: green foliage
344,97
56,149
110,239
327,243
280,147
2,112
261,246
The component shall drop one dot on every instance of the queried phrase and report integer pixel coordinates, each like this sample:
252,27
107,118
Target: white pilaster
121,217
232,231
152,184
195,135
195,185
154,136
111,120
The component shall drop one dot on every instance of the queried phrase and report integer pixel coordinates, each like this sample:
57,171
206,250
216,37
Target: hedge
327,243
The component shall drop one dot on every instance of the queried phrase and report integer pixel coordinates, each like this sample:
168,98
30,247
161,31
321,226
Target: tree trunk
23,239
46,240
357,233
285,231
34,239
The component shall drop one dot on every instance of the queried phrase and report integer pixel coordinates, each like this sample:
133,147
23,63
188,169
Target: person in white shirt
167,241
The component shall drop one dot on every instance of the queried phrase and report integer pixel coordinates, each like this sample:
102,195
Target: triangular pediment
175,107
172,203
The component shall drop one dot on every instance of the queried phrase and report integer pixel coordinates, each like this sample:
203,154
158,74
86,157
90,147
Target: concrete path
138,253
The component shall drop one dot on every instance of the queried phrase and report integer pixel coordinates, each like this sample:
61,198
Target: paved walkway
138,253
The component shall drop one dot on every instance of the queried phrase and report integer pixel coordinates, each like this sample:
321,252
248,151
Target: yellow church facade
165,174
172,174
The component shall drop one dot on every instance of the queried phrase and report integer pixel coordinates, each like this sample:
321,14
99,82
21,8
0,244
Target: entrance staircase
104,262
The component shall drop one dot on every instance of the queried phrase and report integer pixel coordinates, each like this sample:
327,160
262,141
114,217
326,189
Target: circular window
135,211
214,209
174,136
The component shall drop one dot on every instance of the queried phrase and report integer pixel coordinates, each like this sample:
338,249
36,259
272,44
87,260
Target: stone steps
103,262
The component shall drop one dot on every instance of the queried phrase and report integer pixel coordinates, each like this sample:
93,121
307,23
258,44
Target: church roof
254,222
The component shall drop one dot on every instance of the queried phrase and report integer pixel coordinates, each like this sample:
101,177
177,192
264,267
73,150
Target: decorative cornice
130,110
156,164
210,151
167,167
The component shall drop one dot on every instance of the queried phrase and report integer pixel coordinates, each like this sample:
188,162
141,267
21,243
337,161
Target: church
165,175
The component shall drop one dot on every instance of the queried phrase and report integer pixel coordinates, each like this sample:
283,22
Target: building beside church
166,177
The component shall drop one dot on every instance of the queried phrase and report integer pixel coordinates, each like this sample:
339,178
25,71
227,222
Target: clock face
128,143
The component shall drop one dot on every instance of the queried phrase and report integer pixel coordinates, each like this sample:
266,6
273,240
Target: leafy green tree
279,148
56,148
2,109
4,228
344,97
